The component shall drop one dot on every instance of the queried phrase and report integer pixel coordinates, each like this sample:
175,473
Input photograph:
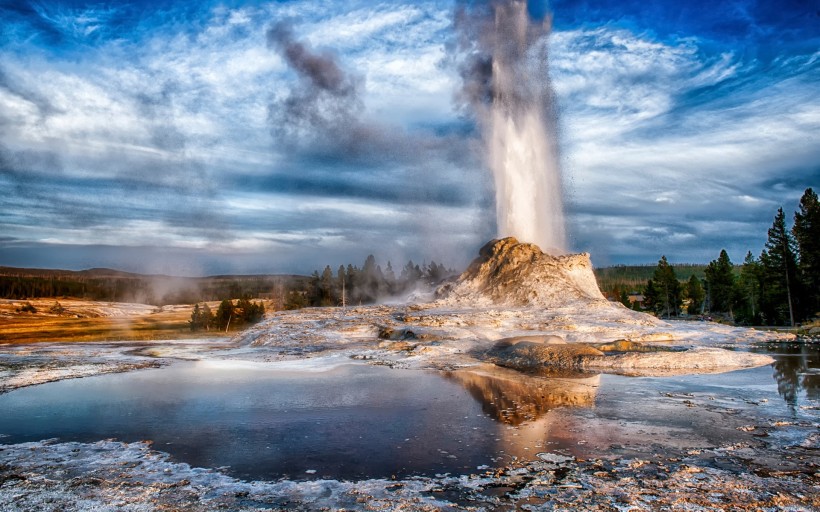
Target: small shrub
27,308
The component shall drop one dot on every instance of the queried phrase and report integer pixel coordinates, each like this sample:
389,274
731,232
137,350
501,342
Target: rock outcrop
528,355
510,273
694,360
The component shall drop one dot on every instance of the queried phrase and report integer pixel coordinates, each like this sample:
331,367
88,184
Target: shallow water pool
358,421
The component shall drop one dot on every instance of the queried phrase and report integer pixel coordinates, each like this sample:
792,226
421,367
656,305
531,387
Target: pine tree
623,298
749,290
665,290
295,300
390,278
247,312
314,290
650,295
806,232
720,281
326,286
371,280
225,314
196,319
779,273
351,278
342,285
207,317
695,293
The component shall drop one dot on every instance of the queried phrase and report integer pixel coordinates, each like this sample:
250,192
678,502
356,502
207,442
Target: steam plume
506,83
326,103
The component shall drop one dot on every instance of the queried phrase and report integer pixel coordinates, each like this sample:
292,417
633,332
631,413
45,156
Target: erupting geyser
507,83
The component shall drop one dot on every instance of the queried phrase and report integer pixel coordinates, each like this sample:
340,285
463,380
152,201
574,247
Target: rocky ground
776,469
514,307
444,337
108,475
512,290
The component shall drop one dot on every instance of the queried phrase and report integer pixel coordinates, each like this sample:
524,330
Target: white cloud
681,137
665,143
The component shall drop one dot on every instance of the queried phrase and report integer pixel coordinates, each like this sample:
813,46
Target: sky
199,137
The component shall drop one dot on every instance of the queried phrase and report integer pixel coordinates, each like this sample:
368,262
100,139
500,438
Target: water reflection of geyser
506,82
525,405
515,398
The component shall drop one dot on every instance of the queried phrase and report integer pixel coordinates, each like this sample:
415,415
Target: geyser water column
506,81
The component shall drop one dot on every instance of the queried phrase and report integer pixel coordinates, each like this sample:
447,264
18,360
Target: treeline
351,285
112,286
618,281
102,289
779,287
228,315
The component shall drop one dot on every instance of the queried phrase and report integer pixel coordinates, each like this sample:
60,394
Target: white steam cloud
507,84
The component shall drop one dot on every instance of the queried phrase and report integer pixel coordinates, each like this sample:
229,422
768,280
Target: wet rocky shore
114,476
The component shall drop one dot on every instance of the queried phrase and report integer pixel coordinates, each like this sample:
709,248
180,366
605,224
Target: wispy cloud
673,140
168,127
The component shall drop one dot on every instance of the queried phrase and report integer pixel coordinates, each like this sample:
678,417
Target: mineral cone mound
510,273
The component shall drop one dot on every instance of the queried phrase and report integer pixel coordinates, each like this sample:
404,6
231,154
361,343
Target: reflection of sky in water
364,421
351,422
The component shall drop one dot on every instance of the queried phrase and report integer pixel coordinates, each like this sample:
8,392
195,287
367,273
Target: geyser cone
506,81
511,273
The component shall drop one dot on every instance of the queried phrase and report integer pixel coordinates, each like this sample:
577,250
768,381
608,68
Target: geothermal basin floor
742,440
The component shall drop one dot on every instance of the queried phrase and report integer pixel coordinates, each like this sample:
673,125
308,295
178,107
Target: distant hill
105,284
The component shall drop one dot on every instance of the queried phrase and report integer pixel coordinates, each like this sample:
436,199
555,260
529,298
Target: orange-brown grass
95,321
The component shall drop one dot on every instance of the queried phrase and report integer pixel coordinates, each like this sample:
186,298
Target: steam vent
510,273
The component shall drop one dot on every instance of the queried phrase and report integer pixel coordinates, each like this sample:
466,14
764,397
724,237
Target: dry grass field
81,320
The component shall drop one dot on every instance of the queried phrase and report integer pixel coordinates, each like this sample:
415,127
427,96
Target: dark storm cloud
43,190
794,183
110,186
334,149
157,110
